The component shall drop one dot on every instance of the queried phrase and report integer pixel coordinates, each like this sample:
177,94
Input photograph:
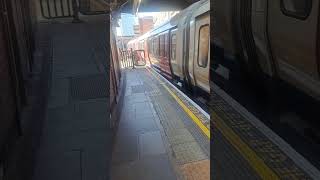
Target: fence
131,58
126,58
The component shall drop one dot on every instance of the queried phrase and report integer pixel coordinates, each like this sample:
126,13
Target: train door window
299,9
154,46
173,47
157,46
161,45
203,46
166,44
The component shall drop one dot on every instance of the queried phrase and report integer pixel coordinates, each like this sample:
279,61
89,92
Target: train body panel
223,24
294,48
259,25
164,54
279,38
199,47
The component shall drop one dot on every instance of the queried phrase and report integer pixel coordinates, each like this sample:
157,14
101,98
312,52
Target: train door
260,36
293,32
164,60
173,52
201,59
149,49
156,44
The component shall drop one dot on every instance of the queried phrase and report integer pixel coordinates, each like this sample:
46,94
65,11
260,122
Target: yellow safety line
264,171
195,119
252,158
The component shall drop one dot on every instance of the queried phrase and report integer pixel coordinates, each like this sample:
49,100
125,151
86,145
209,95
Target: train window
173,47
162,45
299,9
166,44
159,46
155,47
203,45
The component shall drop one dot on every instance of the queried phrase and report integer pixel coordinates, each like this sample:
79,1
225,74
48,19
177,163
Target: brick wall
146,24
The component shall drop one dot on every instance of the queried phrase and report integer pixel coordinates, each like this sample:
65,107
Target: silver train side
180,48
274,39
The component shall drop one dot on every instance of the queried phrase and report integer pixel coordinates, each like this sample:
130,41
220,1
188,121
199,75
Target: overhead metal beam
135,6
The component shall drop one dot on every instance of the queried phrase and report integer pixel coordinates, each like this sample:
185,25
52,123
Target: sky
138,15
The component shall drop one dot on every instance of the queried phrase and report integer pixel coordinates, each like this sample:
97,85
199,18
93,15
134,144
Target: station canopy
135,6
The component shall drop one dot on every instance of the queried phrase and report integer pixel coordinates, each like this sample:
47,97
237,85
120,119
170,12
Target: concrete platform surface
76,138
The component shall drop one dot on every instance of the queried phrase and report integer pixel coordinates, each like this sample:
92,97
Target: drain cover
89,87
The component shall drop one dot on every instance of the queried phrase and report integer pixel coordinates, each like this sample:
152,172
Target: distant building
126,24
145,24
136,29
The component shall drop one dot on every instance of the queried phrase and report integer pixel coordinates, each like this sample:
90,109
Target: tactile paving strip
183,143
227,162
89,87
271,155
188,152
199,136
194,110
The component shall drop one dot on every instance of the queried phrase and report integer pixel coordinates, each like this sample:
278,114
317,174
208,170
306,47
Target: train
274,39
180,48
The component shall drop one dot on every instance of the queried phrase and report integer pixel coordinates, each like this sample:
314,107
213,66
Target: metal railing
130,58
52,9
57,8
139,58
92,7
126,58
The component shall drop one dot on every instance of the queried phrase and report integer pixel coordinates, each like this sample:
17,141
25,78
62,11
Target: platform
244,148
161,134
76,136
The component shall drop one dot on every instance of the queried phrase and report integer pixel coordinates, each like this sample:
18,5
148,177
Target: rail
53,9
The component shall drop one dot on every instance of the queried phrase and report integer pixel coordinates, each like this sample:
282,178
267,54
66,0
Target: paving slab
76,142
62,166
155,168
164,141
151,143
